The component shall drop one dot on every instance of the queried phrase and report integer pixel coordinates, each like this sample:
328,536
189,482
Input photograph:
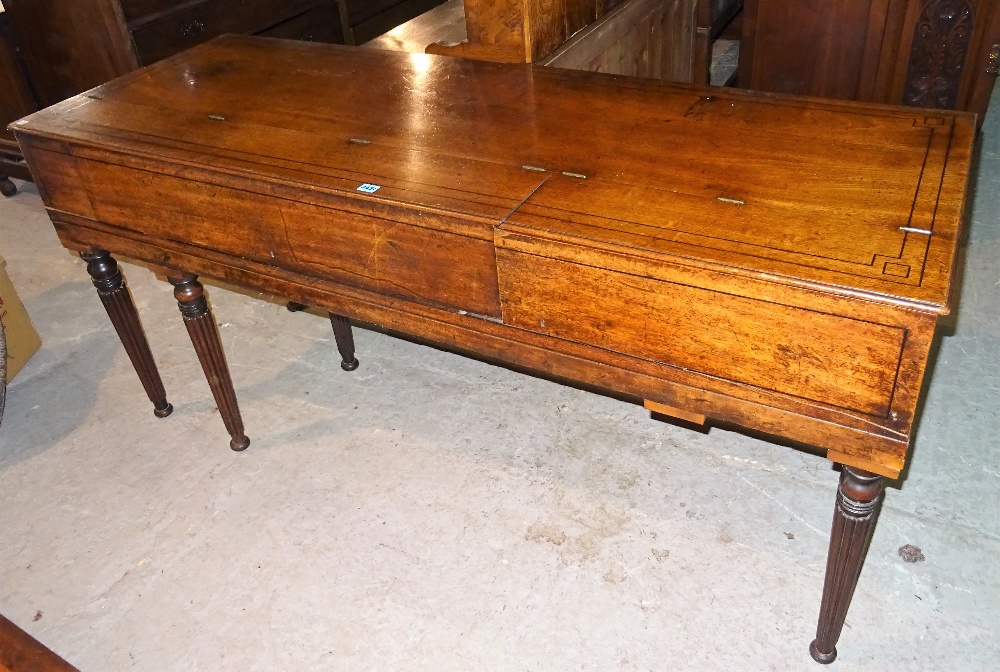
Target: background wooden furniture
521,31
641,38
452,200
924,53
364,20
16,101
713,19
659,39
445,23
69,47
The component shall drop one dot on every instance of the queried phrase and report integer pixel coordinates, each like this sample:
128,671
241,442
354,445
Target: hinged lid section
858,198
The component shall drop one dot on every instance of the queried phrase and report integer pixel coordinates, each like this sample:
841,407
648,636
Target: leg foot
294,307
7,188
345,341
239,446
824,658
204,335
859,501
117,301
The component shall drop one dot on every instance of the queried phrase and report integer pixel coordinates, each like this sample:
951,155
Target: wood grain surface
20,652
774,261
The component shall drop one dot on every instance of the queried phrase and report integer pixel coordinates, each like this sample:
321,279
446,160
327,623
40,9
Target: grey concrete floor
431,512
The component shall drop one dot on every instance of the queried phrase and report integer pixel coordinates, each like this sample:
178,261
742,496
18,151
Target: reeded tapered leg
859,501
345,341
201,327
117,301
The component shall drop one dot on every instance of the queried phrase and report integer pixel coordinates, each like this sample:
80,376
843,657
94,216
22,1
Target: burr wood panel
843,362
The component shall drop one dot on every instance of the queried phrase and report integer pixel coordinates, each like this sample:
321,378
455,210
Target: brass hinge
993,67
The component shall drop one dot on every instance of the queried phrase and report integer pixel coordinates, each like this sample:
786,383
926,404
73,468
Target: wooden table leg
859,501
117,301
345,341
204,334
341,333
7,188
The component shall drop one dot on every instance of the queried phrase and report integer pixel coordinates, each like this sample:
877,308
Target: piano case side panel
861,361
335,239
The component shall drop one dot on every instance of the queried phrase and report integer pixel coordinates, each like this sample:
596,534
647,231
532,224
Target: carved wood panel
941,41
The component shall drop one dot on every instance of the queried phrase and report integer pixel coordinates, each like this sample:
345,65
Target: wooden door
921,53
70,47
943,55
827,48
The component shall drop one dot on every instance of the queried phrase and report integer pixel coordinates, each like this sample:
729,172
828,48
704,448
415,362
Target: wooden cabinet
654,39
183,25
16,100
923,53
658,39
366,19
521,31
70,47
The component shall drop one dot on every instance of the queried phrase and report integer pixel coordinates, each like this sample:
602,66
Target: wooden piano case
603,255
453,200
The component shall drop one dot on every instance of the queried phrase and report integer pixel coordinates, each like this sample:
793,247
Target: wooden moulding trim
517,236
507,235
477,51
673,412
282,188
488,338
891,470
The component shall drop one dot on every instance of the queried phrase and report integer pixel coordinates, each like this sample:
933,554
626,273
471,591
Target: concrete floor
431,512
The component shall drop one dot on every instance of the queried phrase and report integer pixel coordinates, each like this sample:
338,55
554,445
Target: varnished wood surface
20,652
775,262
823,192
117,300
859,502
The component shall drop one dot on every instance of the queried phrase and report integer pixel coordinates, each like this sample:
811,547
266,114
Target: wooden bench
775,262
